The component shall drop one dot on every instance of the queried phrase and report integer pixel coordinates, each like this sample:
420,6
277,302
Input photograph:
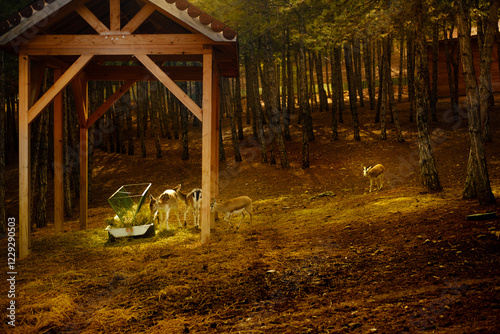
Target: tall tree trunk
485,53
477,183
68,152
352,90
323,101
291,92
428,170
238,111
451,62
356,56
390,88
401,66
226,103
142,105
379,51
274,112
154,91
336,92
312,85
410,71
41,203
367,58
337,78
304,103
222,153
129,132
384,70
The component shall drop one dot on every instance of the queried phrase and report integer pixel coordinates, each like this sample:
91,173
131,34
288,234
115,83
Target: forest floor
322,255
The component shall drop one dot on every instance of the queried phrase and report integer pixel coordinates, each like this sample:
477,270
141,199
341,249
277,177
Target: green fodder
130,218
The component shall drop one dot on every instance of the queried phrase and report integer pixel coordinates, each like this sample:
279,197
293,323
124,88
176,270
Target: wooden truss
71,57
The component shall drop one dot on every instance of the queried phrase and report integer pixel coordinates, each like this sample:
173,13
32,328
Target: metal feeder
126,202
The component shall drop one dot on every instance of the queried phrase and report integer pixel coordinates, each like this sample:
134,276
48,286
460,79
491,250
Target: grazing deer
376,173
236,205
192,201
163,204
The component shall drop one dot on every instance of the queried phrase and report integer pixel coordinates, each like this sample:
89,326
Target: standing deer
236,205
163,204
374,173
192,201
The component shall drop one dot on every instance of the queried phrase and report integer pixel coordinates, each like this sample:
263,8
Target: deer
192,201
374,172
233,206
163,204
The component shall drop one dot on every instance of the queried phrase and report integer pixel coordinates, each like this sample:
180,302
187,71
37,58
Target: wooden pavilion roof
164,17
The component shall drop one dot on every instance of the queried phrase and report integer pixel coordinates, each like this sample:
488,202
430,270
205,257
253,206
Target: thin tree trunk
129,132
401,67
379,51
356,56
274,112
485,53
238,111
222,153
228,106
312,85
68,152
291,92
410,71
154,90
323,101
449,47
304,103
352,90
477,183
390,90
428,170
367,57
41,203
337,78
142,91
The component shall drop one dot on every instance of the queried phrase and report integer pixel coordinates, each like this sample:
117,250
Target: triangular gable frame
113,40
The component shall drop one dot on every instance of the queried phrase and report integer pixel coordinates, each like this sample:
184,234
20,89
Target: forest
324,88
296,57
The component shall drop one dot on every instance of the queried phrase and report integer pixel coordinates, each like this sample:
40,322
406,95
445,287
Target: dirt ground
323,255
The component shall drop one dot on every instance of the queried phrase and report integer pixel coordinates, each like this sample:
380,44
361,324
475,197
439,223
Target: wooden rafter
80,93
51,93
138,19
92,20
170,84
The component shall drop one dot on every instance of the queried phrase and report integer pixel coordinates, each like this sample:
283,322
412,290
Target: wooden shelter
78,39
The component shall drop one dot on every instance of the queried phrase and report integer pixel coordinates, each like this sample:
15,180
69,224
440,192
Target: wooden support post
84,177
114,15
58,159
24,157
215,136
210,158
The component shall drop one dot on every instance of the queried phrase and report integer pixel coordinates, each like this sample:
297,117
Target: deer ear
151,197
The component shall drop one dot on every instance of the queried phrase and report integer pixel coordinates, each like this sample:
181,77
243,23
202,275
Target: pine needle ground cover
322,255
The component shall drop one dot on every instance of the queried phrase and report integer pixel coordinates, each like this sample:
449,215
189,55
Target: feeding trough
127,202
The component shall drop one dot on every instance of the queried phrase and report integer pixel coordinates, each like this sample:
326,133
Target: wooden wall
443,87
